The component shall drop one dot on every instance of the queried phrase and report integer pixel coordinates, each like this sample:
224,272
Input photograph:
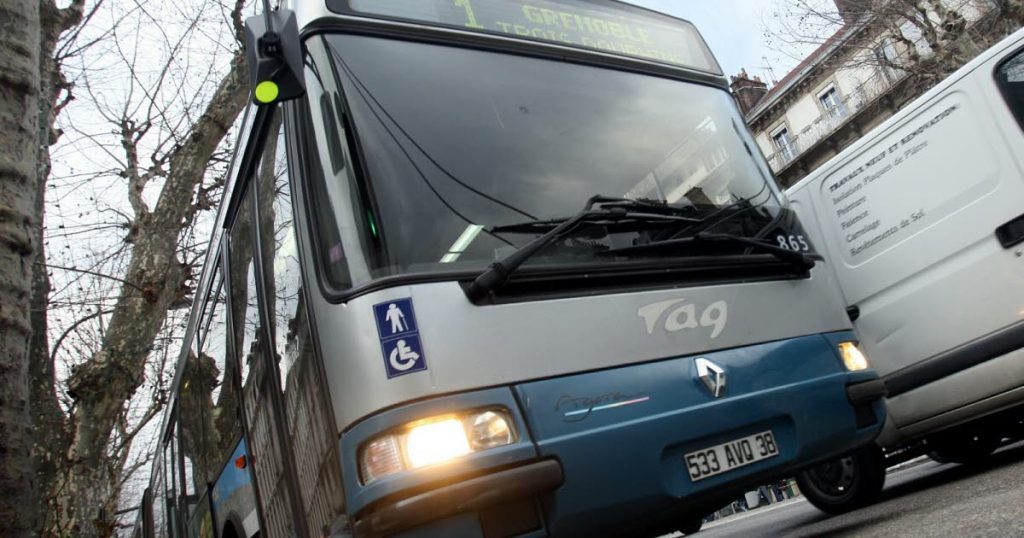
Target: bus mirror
274,57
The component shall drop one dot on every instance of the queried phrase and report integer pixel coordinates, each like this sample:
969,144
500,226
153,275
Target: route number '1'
470,17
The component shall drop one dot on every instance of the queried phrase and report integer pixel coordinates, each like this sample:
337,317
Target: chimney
747,91
851,10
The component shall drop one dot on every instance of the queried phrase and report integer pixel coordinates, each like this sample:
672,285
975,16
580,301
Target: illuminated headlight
434,440
853,358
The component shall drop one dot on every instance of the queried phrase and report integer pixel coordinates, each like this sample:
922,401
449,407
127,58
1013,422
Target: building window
784,144
831,102
885,55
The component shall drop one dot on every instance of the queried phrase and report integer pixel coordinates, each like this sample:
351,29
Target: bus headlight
853,358
434,440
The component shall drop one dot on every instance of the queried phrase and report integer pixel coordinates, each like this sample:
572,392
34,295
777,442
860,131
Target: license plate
725,457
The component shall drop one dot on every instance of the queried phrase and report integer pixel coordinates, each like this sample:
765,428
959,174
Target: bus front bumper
474,495
604,453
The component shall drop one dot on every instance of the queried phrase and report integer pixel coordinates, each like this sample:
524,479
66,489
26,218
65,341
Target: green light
266,92
373,224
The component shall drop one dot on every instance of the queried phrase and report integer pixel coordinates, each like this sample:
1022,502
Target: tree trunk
19,93
1014,11
51,426
102,385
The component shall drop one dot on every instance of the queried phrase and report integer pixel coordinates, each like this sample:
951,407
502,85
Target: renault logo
712,375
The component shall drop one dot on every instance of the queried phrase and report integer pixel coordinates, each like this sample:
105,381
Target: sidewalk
742,515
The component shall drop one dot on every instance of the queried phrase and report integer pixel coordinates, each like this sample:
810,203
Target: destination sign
597,25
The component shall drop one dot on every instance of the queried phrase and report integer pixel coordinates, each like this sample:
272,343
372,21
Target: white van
922,223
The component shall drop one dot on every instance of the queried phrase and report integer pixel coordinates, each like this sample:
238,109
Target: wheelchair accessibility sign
399,337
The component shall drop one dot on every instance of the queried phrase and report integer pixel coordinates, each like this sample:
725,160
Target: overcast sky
734,29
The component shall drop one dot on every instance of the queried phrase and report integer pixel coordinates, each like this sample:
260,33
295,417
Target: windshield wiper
804,260
610,210
616,210
652,206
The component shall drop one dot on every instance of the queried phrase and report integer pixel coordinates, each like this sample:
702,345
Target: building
876,62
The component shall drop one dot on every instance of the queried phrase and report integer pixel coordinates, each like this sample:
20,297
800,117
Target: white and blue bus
500,268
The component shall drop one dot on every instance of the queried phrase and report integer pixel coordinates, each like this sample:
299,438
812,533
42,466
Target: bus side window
159,521
223,402
185,435
243,300
210,427
248,346
327,189
257,373
146,529
188,489
1010,78
194,395
307,407
171,479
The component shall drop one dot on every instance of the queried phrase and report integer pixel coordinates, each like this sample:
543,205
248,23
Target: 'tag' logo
678,315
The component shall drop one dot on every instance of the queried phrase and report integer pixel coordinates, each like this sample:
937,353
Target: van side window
1010,78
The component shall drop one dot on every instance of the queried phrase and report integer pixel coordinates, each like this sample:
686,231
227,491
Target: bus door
285,397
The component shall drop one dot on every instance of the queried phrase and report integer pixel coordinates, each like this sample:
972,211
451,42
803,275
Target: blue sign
399,337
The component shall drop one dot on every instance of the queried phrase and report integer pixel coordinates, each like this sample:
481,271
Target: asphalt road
927,500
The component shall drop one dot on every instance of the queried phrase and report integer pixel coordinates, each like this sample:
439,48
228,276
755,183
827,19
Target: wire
266,17
423,151
723,209
361,89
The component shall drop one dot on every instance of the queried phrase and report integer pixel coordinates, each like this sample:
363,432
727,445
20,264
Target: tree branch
238,23
93,273
74,326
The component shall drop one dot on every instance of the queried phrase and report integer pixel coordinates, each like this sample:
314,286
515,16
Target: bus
922,222
497,268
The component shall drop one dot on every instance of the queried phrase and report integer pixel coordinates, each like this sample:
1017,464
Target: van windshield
454,144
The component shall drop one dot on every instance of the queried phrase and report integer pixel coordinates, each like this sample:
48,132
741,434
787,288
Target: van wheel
845,483
963,448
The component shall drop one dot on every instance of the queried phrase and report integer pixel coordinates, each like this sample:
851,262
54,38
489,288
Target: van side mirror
274,57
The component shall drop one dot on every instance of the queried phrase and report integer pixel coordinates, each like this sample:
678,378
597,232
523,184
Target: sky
734,29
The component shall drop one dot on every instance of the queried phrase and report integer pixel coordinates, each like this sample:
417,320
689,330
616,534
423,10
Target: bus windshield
457,143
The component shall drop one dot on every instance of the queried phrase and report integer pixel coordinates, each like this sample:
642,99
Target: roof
802,70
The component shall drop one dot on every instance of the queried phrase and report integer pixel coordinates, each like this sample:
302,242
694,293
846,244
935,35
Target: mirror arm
274,56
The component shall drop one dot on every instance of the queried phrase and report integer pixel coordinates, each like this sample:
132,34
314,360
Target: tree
47,415
19,93
925,39
166,87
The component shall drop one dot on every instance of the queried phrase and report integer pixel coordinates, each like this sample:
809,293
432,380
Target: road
927,500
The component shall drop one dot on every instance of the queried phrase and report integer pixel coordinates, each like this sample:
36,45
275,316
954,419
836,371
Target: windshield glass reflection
458,142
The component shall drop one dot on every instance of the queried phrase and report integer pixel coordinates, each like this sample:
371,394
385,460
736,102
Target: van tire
845,483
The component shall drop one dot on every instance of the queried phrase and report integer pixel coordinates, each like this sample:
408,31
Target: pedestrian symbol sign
397,319
399,337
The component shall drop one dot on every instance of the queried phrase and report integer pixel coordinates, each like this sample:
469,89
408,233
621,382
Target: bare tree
165,83
19,92
926,39
55,94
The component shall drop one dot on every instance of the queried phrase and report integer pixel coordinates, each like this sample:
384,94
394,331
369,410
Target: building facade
855,80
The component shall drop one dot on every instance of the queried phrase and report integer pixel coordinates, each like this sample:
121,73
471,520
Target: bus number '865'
793,242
